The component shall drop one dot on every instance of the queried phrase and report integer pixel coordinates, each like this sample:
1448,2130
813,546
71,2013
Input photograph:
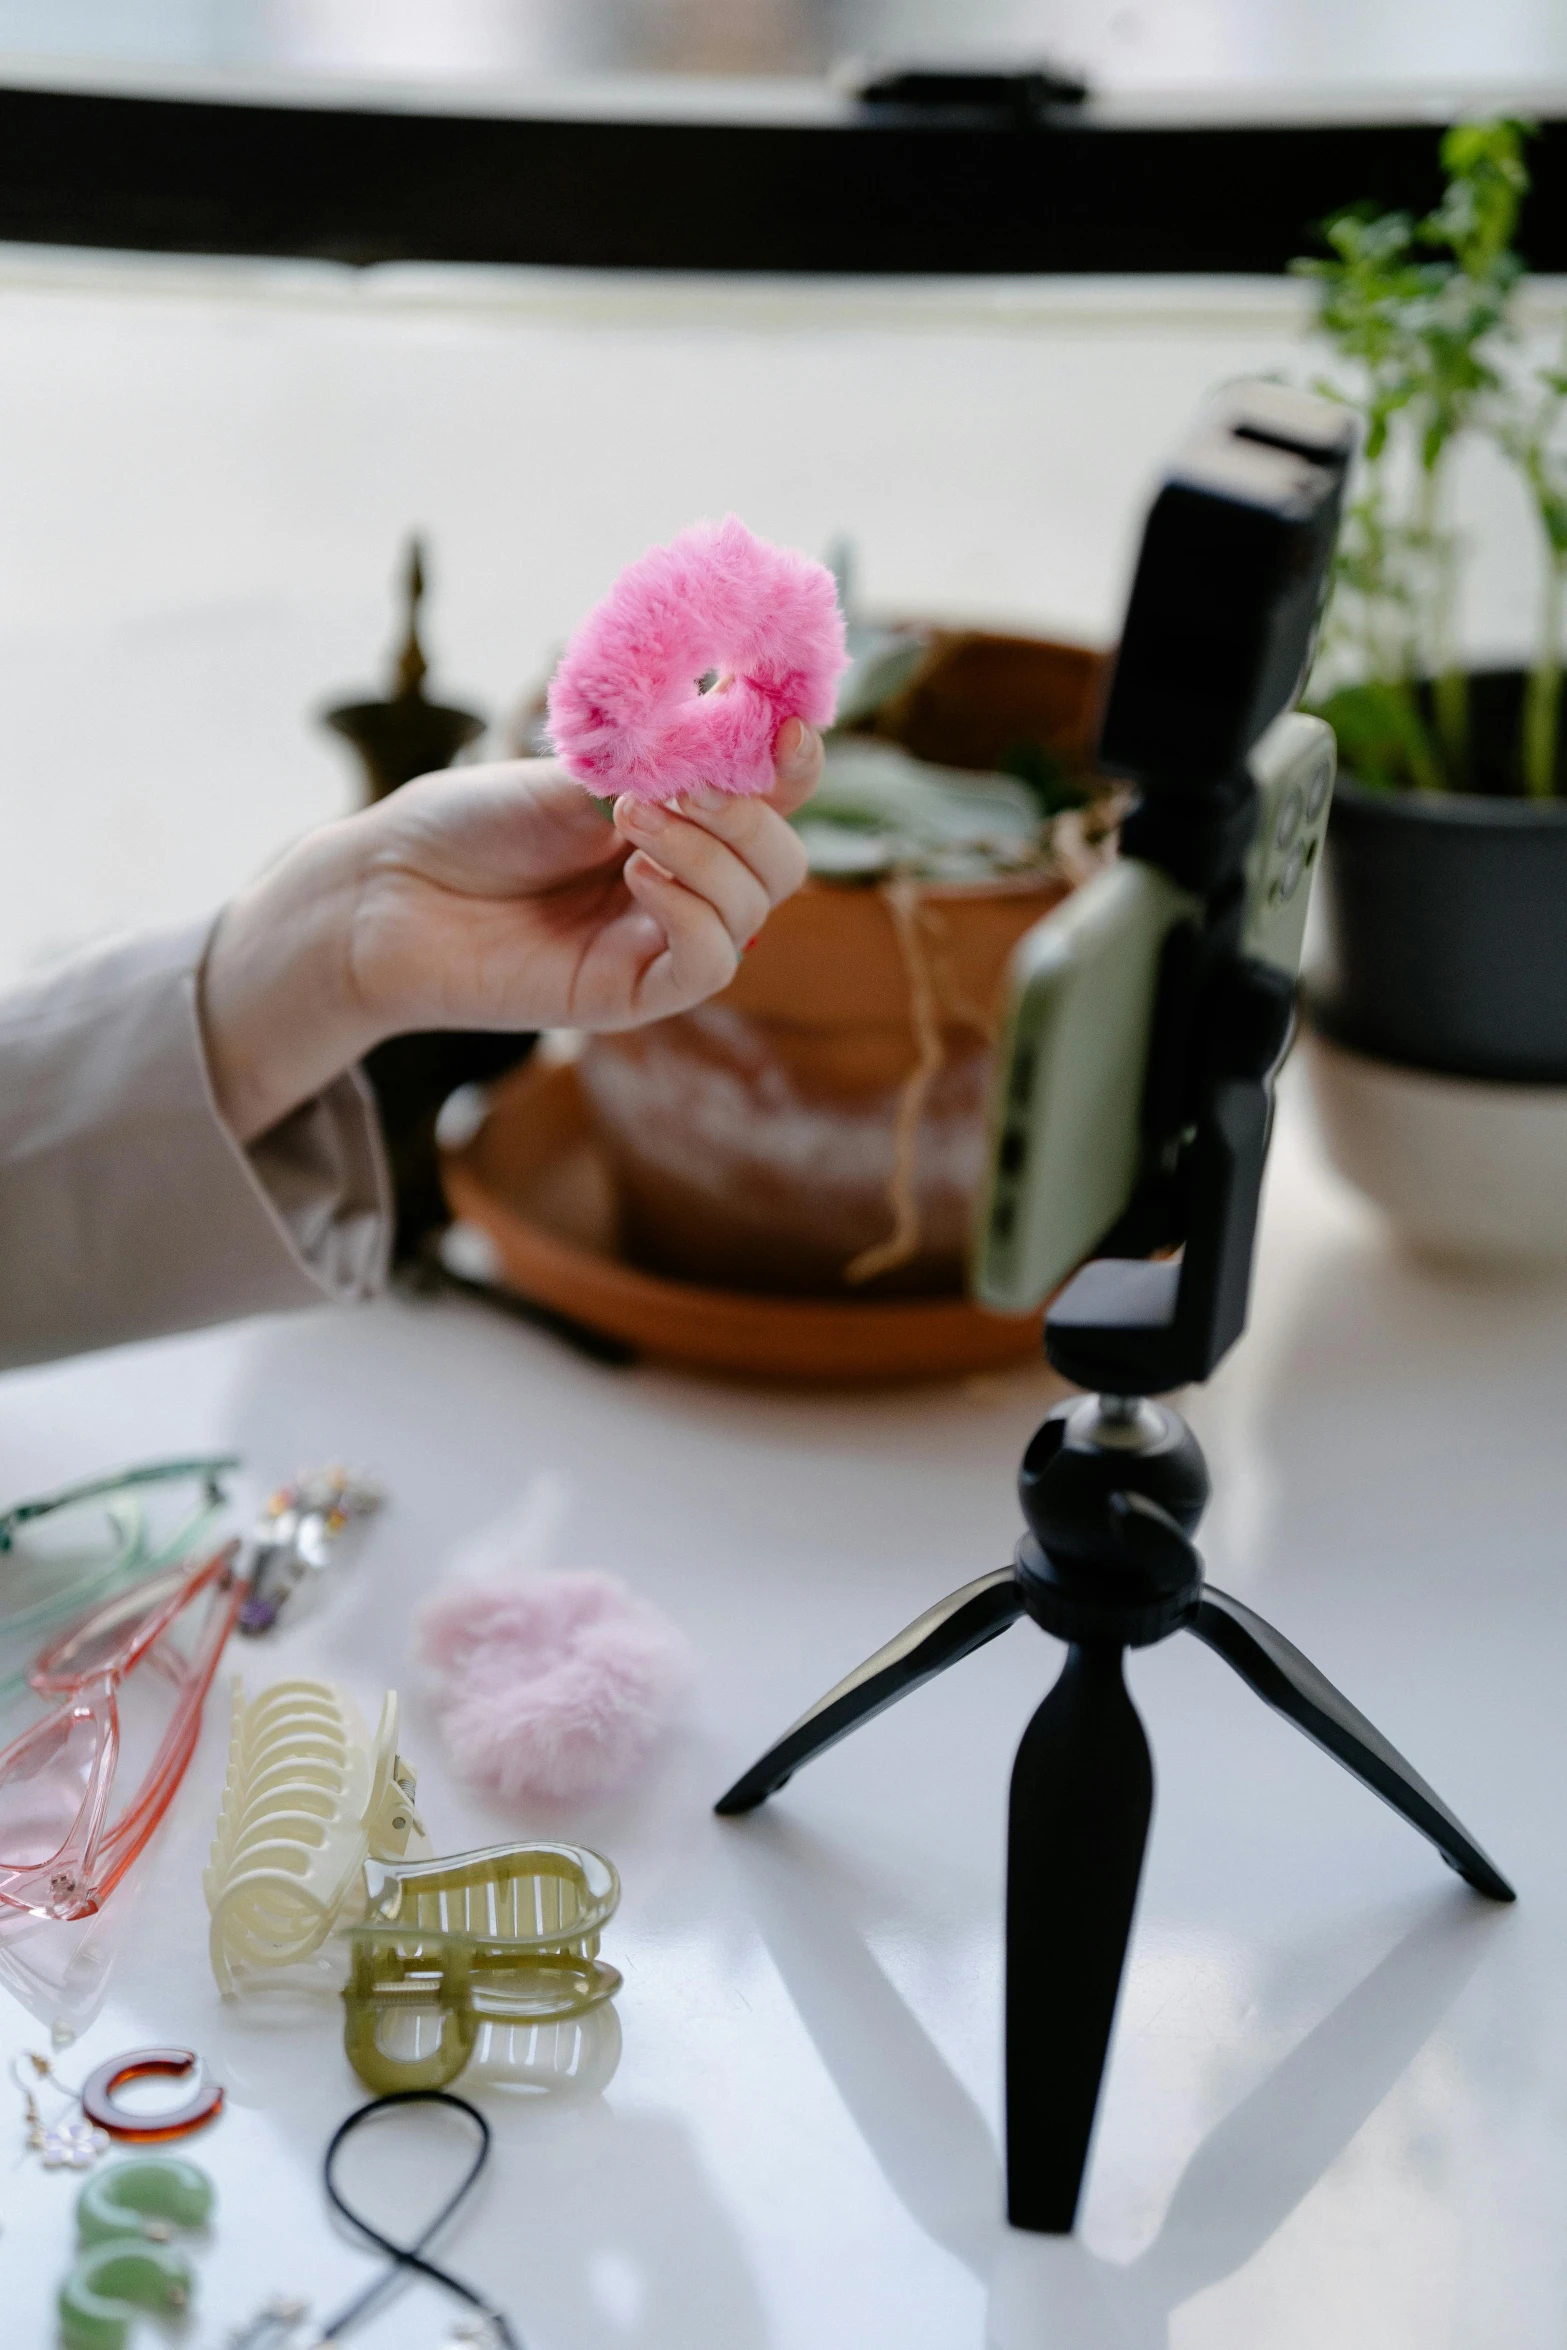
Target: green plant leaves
1420,316
877,810
1382,738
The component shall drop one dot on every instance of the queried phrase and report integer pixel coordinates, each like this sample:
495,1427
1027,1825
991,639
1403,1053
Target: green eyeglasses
61,1553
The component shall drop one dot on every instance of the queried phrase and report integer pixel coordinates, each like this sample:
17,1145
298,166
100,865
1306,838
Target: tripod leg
946,1632
1291,1684
1082,1794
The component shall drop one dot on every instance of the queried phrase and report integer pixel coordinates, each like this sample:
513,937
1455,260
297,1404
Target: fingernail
703,801
641,815
794,738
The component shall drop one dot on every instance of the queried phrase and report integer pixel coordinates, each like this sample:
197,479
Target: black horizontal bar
196,175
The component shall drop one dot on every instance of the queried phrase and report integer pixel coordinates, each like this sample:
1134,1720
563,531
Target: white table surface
1339,2081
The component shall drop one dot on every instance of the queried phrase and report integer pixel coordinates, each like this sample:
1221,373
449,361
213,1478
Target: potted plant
819,1128
1439,999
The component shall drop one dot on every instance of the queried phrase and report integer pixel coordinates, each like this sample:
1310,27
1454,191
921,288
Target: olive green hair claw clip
541,1898
506,1938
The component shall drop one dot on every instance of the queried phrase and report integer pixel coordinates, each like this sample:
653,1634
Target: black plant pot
1446,923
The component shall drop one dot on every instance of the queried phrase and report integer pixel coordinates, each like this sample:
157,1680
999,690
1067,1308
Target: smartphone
1066,1123
1293,767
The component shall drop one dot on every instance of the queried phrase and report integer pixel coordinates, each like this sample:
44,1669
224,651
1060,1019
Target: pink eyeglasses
132,1676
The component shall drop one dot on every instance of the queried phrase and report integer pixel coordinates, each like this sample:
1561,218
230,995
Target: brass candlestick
397,739
405,735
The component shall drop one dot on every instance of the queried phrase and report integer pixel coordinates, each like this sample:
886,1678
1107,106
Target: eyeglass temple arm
208,1465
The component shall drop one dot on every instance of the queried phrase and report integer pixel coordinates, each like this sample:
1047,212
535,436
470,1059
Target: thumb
797,765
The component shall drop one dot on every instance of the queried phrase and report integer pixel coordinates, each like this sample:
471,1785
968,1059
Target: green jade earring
126,2264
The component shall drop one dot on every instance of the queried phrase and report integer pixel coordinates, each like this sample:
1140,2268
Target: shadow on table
616,2235
936,2149
592,2226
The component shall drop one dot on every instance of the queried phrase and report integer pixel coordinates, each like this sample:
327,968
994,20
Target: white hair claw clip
307,1799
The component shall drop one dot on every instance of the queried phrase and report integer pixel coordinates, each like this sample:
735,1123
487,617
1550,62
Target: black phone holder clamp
1219,629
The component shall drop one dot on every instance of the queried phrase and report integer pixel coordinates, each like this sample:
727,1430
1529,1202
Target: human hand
488,897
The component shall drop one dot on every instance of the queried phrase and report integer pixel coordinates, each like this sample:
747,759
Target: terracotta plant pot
819,1128
756,1141
978,698
538,1202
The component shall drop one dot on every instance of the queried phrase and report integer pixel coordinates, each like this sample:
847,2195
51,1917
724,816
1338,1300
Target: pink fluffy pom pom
552,1684
626,713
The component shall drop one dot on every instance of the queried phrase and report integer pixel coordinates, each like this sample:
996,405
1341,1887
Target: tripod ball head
1112,1488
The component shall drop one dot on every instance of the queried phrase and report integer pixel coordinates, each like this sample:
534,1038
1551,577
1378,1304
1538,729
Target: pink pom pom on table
625,708
552,1684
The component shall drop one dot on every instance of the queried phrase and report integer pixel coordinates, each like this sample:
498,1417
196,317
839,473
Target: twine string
902,898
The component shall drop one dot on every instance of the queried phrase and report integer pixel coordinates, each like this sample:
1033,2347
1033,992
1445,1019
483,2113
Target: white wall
206,471
1123,45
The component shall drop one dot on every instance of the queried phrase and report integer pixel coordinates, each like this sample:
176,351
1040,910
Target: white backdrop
206,471
1122,45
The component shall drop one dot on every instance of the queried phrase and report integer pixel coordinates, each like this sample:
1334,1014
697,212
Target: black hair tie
409,2257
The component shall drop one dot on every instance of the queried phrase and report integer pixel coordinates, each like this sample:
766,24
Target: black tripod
1217,641
1112,1489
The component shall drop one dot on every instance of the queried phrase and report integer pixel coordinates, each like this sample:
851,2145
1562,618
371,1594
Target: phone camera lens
1289,879
1316,793
1289,820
